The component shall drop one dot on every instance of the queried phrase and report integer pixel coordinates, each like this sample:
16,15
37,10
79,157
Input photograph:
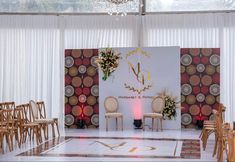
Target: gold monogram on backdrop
138,72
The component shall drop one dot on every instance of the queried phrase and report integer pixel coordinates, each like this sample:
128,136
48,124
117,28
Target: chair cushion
113,115
44,121
153,115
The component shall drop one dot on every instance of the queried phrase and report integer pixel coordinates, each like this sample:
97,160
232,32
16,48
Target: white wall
164,68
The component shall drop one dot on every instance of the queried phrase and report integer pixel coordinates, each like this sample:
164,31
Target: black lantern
138,123
80,123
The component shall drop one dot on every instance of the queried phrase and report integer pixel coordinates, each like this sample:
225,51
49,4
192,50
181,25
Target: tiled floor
136,145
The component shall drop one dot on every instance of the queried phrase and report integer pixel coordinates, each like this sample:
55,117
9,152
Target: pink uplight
137,108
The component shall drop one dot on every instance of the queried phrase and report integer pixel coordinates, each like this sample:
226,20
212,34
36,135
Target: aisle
94,145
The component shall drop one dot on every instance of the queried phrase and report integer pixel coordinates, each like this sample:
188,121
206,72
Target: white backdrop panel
164,68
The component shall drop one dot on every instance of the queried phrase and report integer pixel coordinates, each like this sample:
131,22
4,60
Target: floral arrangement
169,111
108,61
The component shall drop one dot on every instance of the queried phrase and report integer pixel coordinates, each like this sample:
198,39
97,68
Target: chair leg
36,134
47,132
215,146
152,123
161,123
58,130
143,123
11,139
8,141
122,123
1,142
117,123
39,133
106,124
53,130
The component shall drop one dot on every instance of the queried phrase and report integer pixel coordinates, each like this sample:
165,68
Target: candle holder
199,121
80,123
138,123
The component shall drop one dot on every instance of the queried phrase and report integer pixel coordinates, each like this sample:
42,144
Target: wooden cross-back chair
209,126
9,123
231,146
43,116
221,137
44,122
23,114
4,132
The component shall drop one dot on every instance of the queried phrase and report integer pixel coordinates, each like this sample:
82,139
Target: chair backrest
1,105
42,110
158,104
28,115
8,117
219,122
34,110
111,104
19,114
7,105
1,119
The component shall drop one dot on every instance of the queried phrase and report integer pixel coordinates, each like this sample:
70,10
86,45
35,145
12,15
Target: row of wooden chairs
24,121
224,136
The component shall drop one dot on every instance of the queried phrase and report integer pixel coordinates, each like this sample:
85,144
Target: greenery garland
169,111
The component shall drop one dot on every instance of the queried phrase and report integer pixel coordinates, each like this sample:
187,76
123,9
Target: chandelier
117,2
121,7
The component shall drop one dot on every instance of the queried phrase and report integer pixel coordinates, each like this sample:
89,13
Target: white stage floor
136,145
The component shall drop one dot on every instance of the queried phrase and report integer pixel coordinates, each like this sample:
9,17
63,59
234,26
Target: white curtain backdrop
199,31
30,61
100,31
32,49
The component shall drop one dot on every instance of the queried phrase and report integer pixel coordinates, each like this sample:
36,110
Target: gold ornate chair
158,104
111,107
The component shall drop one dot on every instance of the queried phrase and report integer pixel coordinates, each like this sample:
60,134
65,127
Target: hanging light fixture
117,2
121,7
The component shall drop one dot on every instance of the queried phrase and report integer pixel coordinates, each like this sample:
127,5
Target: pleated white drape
199,31
32,49
100,31
29,61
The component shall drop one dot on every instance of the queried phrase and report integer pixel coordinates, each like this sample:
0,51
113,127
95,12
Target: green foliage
169,111
108,62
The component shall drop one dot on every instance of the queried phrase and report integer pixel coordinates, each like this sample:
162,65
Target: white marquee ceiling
98,6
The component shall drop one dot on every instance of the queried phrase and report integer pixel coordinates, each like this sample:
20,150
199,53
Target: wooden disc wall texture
81,88
200,83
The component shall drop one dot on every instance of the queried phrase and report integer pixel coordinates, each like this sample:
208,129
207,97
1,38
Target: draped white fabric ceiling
99,6
32,48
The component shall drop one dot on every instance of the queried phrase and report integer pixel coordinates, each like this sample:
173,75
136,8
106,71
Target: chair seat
44,121
30,124
113,115
153,115
4,131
